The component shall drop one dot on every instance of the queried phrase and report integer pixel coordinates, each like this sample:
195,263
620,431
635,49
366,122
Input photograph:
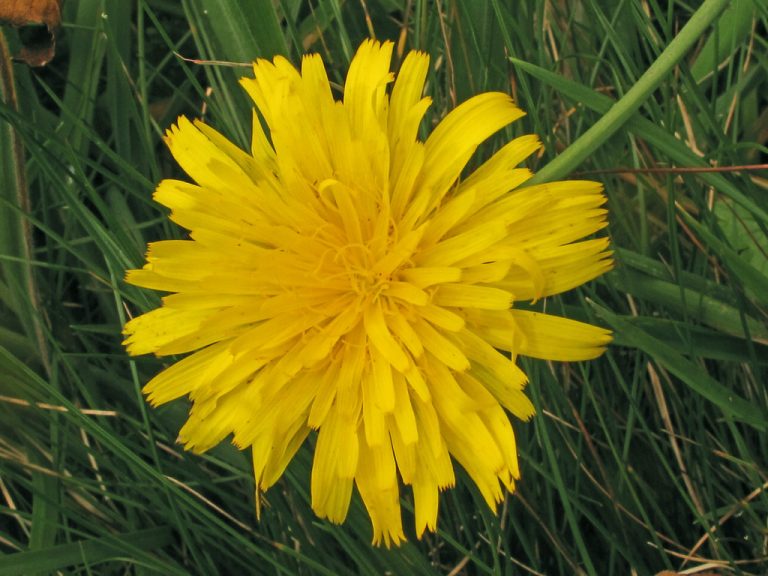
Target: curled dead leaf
21,12
39,50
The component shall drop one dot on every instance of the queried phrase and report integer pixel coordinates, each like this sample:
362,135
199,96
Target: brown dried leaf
21,12
26,12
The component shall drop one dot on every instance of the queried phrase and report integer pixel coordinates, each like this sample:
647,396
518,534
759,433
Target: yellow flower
343,281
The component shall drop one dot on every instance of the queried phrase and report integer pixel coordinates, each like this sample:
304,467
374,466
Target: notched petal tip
132,347
182,123
128,274
371,44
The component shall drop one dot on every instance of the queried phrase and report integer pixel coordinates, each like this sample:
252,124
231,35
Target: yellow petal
455,139
448,216
406,292
554,338
398,254
425,500
245,161
447,396
473,446
383,386
270,86
377,482
499,174
402,328
365,88
487,272
406,96
187,375
330,494
403,186
425,277
442,318
331,466
441,347
156,330
324,396
403,414
203,160
274,331
462,246
287,444
316,85
498,374
200,433
349,398
501,430
472,296
418,384
261,150
380,336
405,453
374,420
575,264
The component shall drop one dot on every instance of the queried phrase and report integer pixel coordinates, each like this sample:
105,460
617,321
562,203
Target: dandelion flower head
343,281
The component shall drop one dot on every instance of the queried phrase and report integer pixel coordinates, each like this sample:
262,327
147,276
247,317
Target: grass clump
651,458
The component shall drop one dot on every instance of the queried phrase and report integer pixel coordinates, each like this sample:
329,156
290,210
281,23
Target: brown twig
679,169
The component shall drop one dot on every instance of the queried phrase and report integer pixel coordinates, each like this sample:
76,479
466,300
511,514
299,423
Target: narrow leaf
696,378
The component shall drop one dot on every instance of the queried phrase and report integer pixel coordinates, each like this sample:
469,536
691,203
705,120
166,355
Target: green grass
651,458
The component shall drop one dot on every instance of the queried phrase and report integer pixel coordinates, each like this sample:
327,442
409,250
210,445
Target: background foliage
651,458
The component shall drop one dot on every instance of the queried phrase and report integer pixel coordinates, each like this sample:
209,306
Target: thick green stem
618,115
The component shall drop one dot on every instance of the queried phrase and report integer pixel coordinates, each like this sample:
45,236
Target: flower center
357,262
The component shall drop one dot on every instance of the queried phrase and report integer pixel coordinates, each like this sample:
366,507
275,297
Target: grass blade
87,552
696,378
